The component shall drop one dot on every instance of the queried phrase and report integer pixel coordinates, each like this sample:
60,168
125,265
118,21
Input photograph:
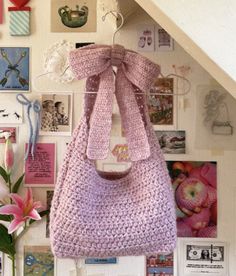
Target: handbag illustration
103,214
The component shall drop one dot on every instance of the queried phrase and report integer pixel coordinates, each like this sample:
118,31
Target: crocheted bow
133,70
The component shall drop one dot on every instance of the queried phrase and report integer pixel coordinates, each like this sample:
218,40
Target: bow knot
95,62
117,55
33,135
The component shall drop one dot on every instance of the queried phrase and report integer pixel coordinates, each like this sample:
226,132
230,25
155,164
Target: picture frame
57,114
17,77
13,134
172,141
40,171
146,38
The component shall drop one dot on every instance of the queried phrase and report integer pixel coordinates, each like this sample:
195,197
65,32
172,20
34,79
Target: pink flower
22,210
9,156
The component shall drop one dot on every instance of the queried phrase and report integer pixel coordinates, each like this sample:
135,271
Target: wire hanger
117,14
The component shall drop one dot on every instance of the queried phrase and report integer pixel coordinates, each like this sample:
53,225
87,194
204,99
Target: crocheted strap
133,69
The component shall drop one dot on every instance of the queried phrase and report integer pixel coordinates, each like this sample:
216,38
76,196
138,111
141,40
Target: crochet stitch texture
97,214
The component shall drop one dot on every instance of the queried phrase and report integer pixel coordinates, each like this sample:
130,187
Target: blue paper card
14,68
101,261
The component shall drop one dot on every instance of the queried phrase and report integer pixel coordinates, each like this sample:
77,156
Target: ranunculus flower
22,210
9,155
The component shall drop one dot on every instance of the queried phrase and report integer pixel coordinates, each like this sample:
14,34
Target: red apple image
188,167
208,172
183,229
211,196
190,195
198,221
214,213
178,166
196,173
208,232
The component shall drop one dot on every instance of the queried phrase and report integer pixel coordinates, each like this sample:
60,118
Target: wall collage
194,182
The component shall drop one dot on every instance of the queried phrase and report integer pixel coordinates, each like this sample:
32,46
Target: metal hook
121,25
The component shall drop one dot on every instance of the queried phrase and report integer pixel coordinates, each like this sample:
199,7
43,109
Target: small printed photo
49,203
160,265
161,107
56,116
146,38
171,142
204,252
14,69
73,15
38,260
7,132
164,42
11,112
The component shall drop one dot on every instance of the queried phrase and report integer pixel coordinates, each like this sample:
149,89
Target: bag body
98,214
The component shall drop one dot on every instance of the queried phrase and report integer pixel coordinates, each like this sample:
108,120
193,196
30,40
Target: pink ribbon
133,70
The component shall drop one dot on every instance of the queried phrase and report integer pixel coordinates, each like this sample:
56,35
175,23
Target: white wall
40,40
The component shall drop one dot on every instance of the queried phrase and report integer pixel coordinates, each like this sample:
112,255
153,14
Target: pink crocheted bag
98,214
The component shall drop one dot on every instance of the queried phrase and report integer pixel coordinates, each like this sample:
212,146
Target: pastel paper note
1,11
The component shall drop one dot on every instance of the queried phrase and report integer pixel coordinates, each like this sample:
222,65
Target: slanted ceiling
205,29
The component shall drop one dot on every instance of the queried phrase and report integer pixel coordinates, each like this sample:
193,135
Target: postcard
195,191
14,68
40,171
49,203
160,265
171,142
146,38
11,112
7,132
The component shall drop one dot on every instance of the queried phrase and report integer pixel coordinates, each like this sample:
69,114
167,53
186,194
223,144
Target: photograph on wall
146,38
7,132
73,16
40,170
49,203
161,107
56,118
160,265
215,119
1,264
171,142
195,191
204,258
38,260
11,112
14,69
164,42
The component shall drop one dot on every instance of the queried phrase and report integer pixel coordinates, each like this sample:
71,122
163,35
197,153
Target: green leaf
42,214
17,184
4,174
6,242
5,217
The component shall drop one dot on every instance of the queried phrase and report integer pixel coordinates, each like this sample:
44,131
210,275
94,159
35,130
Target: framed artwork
11,112
164,42
49,203
40,171
195,190
114,167
73,16
14,68
38,260
171,142
56,116
160,265
161,107
121,152
215,119
146,38
8,131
